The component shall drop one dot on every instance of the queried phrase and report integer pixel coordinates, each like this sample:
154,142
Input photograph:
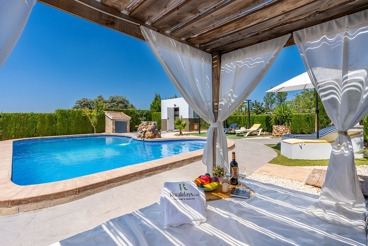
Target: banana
211,185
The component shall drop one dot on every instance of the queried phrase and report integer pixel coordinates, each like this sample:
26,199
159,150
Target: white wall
179,102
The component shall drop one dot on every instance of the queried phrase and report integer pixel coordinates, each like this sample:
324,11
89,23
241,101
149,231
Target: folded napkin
182,203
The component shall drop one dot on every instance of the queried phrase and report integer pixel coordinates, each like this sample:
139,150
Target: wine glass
242,178
228,176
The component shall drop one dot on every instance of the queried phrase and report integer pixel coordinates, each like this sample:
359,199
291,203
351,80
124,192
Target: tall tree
84,103
118,102
269,101
93,114
241,110
156,104
281,98
303,102
257,107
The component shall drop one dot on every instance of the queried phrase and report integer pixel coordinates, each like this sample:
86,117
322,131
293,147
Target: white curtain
336,57
241,72
13,17
191,72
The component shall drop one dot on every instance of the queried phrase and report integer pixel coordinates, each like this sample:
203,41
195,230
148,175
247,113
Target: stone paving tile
298,174
281,171
266,169
15,226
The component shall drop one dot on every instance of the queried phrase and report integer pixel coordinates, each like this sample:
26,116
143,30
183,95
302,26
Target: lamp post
248,101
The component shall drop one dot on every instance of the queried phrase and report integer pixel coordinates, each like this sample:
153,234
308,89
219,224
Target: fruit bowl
206,182
208,189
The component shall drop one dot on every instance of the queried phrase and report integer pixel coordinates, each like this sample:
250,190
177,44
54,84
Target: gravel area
296,185
287,183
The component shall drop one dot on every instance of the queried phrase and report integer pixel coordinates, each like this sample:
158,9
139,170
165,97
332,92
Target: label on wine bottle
235,172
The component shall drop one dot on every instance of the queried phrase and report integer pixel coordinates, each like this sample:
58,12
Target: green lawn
282,160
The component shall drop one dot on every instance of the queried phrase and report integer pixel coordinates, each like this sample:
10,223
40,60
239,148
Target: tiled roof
114,115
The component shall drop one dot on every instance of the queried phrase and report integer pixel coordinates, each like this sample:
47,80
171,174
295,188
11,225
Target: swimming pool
47,160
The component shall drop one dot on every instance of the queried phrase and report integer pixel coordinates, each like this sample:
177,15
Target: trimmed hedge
302,123
62,122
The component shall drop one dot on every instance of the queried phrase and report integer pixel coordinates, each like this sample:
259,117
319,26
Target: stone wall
109,126
279,130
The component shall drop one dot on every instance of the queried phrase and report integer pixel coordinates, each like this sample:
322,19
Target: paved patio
49,225
292,173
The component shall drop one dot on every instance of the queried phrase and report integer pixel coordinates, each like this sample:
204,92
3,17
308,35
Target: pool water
53,159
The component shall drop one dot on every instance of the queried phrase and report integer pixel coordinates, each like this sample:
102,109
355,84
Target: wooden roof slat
117,4
211,25
88,13
151,8
345,8
225,14
133,5
189,12
253,18
284,18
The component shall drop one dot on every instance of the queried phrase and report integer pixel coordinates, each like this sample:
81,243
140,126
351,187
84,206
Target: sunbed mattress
273,216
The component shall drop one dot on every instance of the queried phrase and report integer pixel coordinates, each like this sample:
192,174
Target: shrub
156,116
180,124
282,115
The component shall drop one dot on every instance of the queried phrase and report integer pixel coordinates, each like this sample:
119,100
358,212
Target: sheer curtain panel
13,17
335,54
190,71
241,72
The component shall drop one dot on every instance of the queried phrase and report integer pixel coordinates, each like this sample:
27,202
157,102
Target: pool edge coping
15,198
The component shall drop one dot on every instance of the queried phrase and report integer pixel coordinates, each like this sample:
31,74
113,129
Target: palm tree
180,125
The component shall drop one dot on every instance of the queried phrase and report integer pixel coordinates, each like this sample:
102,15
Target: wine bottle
234,170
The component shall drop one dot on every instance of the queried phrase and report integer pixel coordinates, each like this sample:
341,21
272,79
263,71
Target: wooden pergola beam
216,71
105,16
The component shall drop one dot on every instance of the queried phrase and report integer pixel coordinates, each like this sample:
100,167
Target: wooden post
216,70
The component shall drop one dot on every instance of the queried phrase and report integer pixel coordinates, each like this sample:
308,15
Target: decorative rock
279,130
148,130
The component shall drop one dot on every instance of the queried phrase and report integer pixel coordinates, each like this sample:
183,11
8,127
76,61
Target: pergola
213,26
201,33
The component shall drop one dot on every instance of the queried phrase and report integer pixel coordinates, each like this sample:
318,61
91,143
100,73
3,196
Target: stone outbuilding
116,122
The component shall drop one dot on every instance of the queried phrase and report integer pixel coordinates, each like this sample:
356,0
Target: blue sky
61,58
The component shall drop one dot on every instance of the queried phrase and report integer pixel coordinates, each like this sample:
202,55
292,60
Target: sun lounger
322,133
232,126
254,128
